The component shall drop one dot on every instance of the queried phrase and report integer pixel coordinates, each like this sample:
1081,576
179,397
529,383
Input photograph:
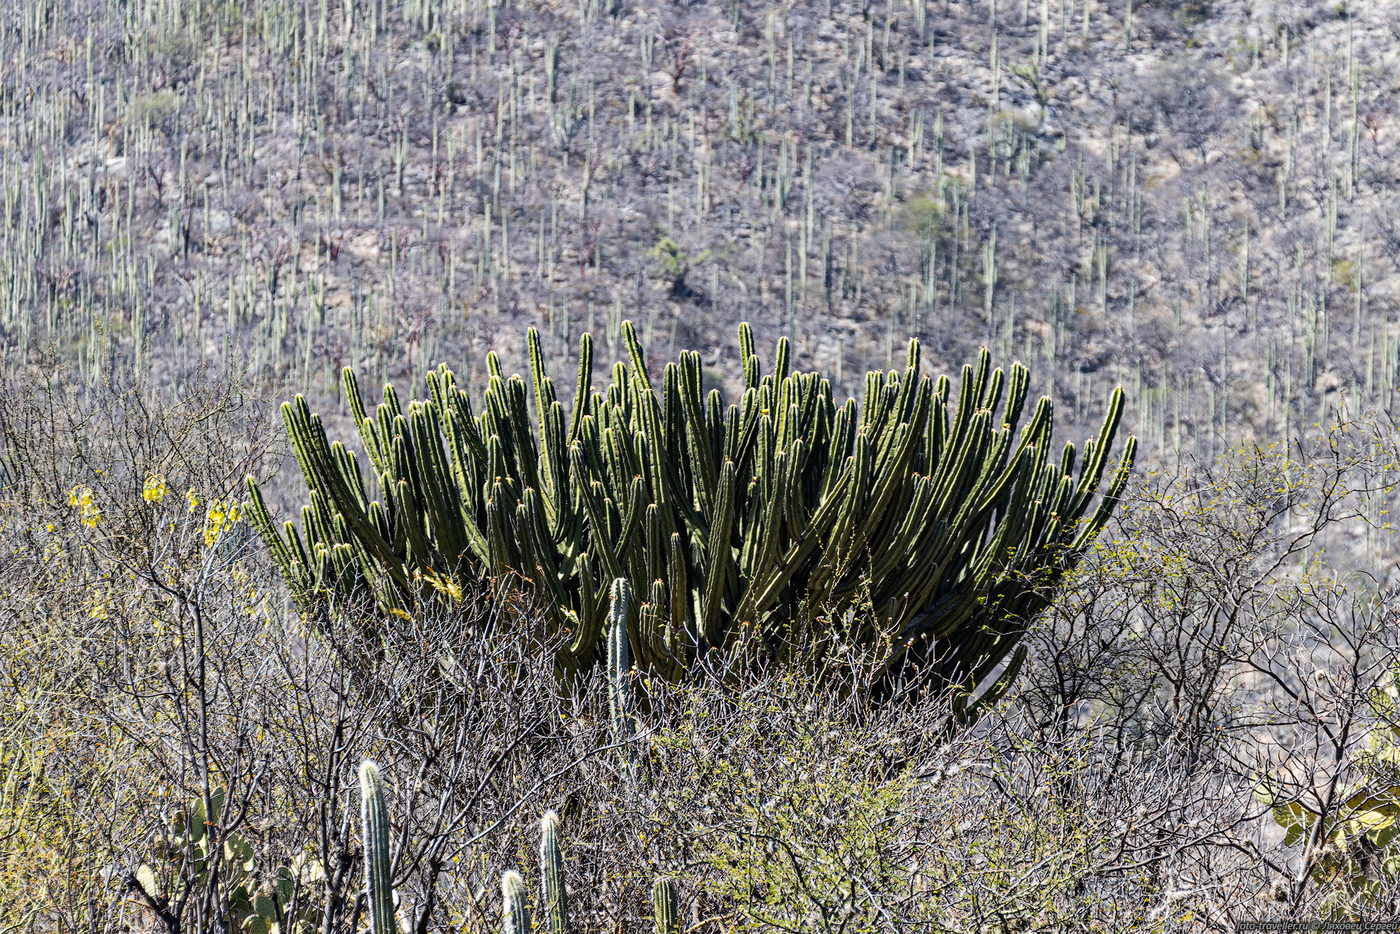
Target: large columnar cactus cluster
920,521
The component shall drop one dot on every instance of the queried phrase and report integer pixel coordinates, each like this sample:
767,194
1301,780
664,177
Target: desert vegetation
689,642
1201,732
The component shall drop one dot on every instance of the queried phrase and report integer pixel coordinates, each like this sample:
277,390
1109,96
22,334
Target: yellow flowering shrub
81,499
154,489
221,515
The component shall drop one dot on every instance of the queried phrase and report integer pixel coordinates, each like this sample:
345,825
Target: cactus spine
515,912
556,897
933,510
375,818
664,907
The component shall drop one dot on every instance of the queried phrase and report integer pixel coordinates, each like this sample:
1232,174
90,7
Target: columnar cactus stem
378,882
515,912
620,700
556,898
665,907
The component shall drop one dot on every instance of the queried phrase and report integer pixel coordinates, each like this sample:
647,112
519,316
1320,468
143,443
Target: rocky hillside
1195,199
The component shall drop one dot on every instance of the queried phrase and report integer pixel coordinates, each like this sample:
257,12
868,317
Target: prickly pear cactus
255,900
1352,850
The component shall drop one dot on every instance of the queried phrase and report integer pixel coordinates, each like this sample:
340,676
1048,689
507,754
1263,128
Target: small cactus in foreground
378,882
620,700
556,899
515,908
515,912
664,907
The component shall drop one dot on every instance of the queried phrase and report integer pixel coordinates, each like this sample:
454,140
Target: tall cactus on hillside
924,507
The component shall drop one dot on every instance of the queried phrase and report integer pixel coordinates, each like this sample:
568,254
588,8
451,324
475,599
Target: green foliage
792,865
42,829
153,108
919,518
675,263
800,833
923,215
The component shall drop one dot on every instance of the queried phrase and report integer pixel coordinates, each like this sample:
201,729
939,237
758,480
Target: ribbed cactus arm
665,907
748,357
700,447
290,563
782,358
1111,496
374,818
583,387
556,896
515,910
621,705
1096,453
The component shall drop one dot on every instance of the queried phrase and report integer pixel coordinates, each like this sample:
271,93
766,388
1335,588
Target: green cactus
1351,850
929,517
556,898
374,817
664,907
515,912
515,908
621,703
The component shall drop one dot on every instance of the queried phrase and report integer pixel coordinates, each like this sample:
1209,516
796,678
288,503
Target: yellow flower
443,585
81,498
192,499
154,489
220,516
